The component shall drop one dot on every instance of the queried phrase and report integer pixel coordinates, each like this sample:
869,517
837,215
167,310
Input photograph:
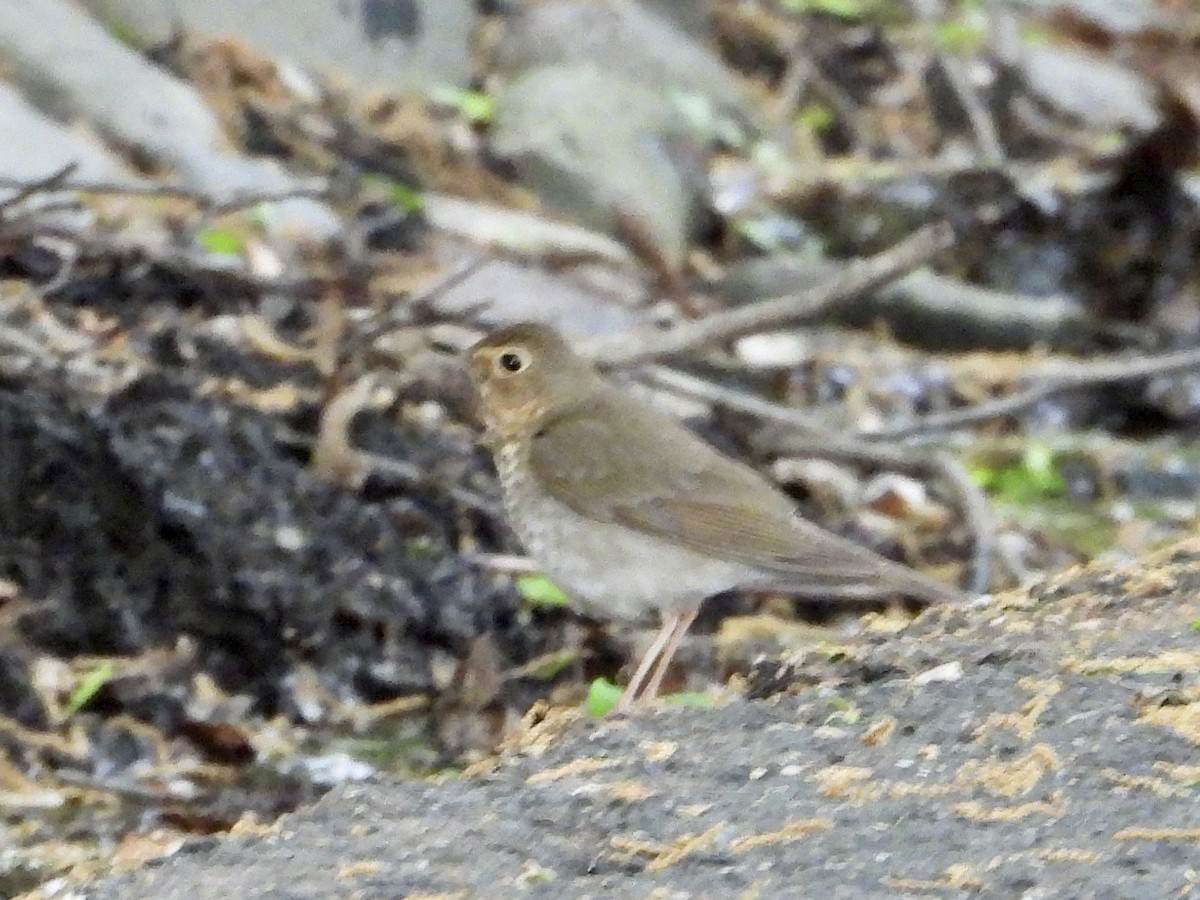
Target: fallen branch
739,401
987,138
58,182
631,348
26,189
1084,375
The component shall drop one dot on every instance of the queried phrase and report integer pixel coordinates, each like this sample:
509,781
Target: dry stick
632,348
978,514
987,139
191,263
26,189
414,476
700,389
1087,375
801,71
211,209
57,183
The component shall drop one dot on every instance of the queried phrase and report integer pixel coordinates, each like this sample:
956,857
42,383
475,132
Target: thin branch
504,563
185,261
628,349
739,401
1086,375
217,206
447,281
413,475
978,515
987,138
26,189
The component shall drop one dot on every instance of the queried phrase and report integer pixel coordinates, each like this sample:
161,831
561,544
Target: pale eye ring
510,362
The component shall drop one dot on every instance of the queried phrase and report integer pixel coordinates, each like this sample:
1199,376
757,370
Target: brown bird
631,513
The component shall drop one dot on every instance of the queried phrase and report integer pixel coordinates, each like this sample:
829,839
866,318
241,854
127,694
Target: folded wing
624,466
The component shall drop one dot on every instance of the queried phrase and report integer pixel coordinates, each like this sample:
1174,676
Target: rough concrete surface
1042,747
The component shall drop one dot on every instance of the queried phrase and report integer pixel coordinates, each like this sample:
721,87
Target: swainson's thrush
631,513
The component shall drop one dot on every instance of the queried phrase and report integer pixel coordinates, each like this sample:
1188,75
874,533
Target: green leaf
88,687
1036,34
760,233
406,198
602,697
959,37
1195,624
843,9
420,547
126,33
843,711
984,476
815,117
222,240
538,590
554,663
693,699
475,106
1033,478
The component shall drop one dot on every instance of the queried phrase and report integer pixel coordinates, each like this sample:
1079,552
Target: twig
447,281
801,71
730,398
217,206
24,343
333,454
987,139
628,349
127,788
1092,374
978,516
416,477
26,189
408,473
316,190
504,563
184,261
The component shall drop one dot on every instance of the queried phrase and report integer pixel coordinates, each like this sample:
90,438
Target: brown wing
633,466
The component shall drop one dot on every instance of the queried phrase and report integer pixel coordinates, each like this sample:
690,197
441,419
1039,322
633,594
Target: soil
1032,746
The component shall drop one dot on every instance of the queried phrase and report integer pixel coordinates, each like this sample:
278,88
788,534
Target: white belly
610,571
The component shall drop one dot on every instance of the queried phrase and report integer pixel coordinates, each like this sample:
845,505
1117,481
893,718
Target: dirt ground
1026,746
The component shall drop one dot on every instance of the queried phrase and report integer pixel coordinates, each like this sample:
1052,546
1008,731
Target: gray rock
621,37
70,67
502,292
406,43
693,16
1122,17
1093,89
35,146
519,233
602,149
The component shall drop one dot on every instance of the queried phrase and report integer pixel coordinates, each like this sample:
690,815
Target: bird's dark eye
512,362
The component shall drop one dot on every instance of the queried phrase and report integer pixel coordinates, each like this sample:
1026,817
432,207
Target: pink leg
651,654
683,623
